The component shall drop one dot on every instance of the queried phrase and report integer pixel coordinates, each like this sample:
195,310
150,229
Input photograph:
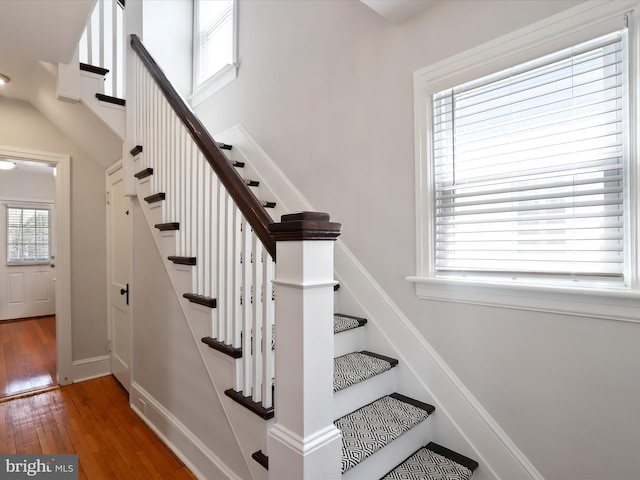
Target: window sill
608,304
214,84
23,264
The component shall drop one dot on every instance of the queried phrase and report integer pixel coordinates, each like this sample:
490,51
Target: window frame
210,86
29,206
560,31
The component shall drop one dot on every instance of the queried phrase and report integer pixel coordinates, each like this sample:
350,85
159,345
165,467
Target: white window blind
27,235
214,26
529,167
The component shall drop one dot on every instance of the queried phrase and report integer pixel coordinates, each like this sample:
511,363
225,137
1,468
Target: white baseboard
89,368
202,462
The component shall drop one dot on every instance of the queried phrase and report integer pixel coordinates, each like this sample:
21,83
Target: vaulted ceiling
38,30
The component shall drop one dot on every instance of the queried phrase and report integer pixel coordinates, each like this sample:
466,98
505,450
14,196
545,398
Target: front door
118,209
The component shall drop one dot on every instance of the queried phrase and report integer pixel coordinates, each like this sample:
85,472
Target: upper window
529,169
214,46
28,235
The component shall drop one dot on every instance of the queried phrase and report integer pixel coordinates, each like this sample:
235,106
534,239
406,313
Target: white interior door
27,288
118,209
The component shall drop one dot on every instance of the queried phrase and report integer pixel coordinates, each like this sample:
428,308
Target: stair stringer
460,421
250,431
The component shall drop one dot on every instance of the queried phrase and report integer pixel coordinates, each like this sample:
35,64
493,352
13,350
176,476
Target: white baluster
268,316
257,317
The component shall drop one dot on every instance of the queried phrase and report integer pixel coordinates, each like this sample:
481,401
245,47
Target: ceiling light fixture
4,79
7,165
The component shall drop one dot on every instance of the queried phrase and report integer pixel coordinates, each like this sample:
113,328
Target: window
529,168
214,46
28,234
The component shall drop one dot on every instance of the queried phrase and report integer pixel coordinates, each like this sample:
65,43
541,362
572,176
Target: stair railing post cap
305,226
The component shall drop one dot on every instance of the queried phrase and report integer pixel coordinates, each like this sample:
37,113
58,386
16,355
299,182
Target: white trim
567,28
621,305
308,444
303,286
214,84
90,368
202,462
30,205
63,251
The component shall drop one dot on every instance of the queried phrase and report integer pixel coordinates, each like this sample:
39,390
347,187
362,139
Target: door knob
125,291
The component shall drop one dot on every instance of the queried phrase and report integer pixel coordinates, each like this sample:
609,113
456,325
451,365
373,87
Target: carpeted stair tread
426,464
357,367
342,322
374,426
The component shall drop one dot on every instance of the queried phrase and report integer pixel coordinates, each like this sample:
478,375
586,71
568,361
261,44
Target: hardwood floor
28,355
93,420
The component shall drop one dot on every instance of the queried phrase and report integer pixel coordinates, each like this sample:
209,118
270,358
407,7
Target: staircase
385,434
210,226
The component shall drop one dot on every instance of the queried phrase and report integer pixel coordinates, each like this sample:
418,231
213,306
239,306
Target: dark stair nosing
93,69
201,299
266,204
222,347
261,458
416,403
336,287
136,150
167,227
392,361
255,407
147,172
252,183
237,164
224,146
451,455
156,197
109,99
182,261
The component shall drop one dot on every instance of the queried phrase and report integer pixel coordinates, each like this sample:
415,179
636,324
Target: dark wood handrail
244,198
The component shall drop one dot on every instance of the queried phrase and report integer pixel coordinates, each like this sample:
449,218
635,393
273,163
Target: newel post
304,443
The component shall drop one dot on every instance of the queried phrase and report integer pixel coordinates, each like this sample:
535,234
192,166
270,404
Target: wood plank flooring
27,355
93,420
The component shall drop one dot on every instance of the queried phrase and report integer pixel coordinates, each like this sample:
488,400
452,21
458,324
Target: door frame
62,163
119,165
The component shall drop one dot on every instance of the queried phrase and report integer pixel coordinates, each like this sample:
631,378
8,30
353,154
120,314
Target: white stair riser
363,393
353,340
392,455
167,243
182,277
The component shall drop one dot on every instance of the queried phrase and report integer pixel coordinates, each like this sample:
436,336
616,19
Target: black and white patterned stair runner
434,462
357,367
374,426
342,323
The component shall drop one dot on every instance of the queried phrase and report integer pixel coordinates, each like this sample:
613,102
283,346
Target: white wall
326,90
167,32
23,127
